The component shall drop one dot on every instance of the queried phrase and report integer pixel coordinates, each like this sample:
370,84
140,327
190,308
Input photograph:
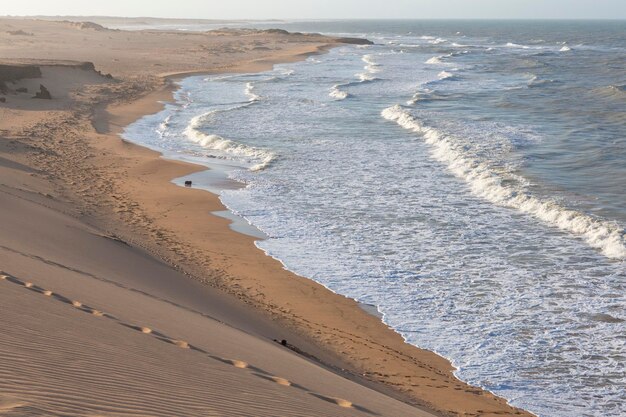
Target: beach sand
140,301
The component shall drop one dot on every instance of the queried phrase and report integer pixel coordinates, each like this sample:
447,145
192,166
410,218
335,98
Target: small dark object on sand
43,93
187,183
283,342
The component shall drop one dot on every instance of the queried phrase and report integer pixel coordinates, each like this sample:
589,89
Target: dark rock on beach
18,71
355,41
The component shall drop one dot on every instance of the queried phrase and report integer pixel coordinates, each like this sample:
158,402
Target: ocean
467,178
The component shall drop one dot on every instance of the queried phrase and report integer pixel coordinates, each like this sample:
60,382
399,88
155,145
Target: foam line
261,158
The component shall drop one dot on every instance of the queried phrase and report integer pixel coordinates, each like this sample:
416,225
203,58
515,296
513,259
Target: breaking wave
426,95
445,75
259,159
367,77
337,93
435,60
515,45
372,66
164,125
539,82
440,59
500,187
252,96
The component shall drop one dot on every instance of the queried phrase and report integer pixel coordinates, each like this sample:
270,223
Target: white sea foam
369,59
565,49
493,185
445,75
409,45
258,158
252,96
164,125
421,95
372,66
366,77
371,69
435,60
515,45
540,82
220,77
337,93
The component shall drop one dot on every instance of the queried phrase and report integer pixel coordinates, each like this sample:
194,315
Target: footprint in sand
339,401
237,363
343,403
180,343
280,381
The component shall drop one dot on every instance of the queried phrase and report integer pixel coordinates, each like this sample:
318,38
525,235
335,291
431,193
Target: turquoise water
467,178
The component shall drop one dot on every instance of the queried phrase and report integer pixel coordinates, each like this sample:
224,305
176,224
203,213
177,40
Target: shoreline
369,309
154,102
152,213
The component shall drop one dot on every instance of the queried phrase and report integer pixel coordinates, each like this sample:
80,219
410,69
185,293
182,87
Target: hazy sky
311,9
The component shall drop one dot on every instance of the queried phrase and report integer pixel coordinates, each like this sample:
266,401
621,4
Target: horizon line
314,19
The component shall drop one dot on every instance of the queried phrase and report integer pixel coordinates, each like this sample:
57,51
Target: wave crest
259,158
515,45
252,96
486,182
372,66
435,60
337,93
445,75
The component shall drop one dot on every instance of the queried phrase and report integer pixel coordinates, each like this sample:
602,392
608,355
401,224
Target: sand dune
93,335
85,365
